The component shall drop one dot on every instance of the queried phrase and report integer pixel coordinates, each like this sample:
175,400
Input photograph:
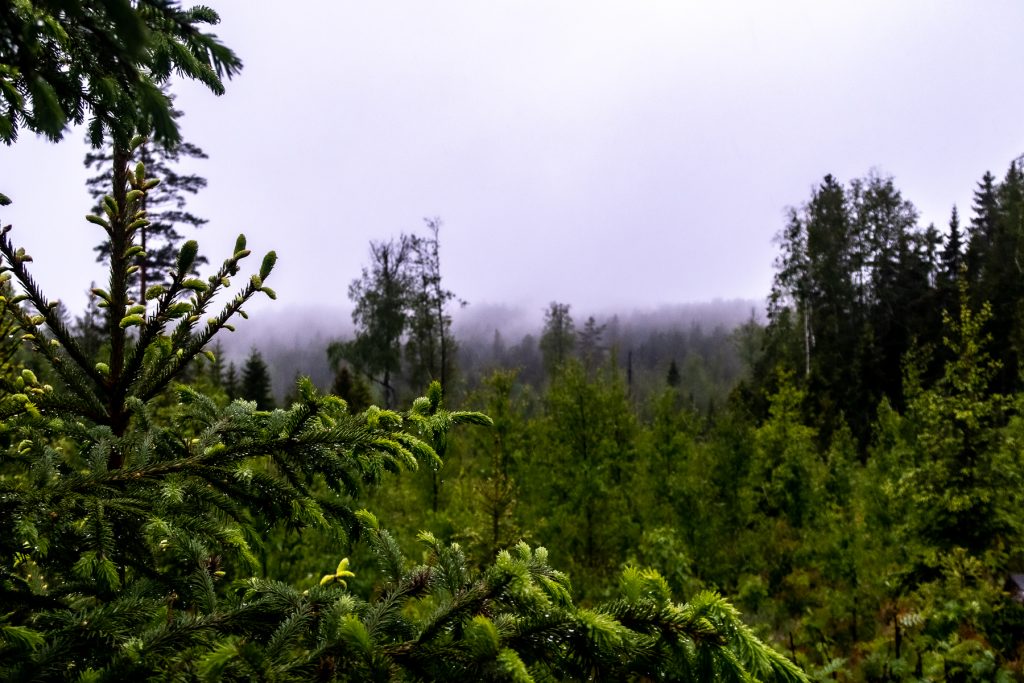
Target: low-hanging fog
295,341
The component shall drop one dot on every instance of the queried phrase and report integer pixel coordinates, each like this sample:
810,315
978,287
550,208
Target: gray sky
611,155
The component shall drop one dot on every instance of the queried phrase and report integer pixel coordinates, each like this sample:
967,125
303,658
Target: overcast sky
611,155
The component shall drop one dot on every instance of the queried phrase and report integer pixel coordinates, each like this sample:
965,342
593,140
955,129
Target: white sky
611,155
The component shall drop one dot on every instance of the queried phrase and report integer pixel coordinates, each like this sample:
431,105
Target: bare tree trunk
807,343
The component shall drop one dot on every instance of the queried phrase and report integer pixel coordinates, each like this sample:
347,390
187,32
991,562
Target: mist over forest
293,342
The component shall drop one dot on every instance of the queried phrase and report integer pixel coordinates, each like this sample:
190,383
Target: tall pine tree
165,206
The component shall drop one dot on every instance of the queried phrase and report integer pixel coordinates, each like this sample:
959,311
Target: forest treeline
850,476
848,471
696,336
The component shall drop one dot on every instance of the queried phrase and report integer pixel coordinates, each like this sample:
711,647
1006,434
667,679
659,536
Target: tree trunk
119,243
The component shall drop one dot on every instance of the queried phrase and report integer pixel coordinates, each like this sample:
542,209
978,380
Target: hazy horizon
295,339
293,326
607,155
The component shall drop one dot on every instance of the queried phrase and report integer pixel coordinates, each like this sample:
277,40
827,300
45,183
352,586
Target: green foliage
403,325
583,473
255,384
858,497
153,527
852,290
558,339
129,535
10,340
787,472
672,377
965,487
351,388
994,242
165,205
64,61
495,494
514,620
117,526
380,315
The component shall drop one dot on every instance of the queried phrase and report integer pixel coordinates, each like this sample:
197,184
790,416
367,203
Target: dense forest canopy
832,491
857,448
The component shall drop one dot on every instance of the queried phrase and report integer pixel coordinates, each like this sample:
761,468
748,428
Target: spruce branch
184,344
66,347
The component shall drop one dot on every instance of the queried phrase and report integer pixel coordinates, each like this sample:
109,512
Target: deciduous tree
381,298
430,346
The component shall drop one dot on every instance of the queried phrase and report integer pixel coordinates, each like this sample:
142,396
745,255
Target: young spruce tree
256,385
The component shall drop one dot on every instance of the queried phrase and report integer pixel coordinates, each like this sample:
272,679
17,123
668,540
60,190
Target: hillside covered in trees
830,489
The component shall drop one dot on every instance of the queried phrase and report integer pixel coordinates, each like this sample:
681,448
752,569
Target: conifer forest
832,490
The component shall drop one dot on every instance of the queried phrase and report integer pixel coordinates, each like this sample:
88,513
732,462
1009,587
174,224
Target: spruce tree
116,528
966,487
951,267
216,371
256,386
983,226
672,377
588,340
952,253
558,339
231,386
165,205
586,466
351,387
90,328
505,444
